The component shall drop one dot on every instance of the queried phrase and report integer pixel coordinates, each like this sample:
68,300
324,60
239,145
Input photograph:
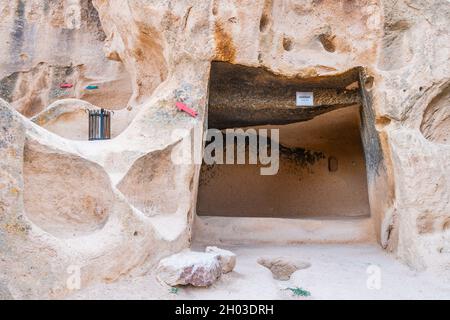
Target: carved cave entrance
328,151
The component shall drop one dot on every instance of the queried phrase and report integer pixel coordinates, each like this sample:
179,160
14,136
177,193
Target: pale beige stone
283,267
227,258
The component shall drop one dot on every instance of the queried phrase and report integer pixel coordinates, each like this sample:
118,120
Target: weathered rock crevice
435,124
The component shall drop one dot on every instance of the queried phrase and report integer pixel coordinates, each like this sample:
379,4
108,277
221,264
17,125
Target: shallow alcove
69,118
327,151
436,118
48,175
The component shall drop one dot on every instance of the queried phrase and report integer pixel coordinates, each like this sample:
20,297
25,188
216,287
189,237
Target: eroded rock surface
283,267
48,43
48,174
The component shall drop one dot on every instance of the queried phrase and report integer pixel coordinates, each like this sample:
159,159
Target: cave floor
338,271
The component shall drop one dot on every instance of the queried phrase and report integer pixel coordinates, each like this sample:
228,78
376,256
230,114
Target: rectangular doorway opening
322,162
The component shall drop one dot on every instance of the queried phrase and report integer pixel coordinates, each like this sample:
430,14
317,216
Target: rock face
195,268
227,258
147,55
282,267
31,75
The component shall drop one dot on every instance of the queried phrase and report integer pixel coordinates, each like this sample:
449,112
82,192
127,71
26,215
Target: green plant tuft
174,290
299,292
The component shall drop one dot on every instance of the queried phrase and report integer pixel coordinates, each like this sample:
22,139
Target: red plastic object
66,86
185,108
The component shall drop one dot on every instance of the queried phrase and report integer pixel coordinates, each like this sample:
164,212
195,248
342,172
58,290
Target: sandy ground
337,272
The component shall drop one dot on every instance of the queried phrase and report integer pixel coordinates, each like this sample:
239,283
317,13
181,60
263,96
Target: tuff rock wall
113,208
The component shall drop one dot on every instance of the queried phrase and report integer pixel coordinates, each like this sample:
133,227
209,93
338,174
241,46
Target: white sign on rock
304,99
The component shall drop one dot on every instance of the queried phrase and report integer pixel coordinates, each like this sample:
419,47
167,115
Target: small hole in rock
332,164
446,225
327,41
263,23
368,83
382,122
287,44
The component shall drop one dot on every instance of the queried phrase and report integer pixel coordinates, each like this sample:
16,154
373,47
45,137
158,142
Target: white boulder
199,269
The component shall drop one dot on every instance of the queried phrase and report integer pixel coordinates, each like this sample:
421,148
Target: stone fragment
227,258
199,269
282,267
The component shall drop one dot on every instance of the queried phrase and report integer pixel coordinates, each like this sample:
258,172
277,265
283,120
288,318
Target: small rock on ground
282,267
